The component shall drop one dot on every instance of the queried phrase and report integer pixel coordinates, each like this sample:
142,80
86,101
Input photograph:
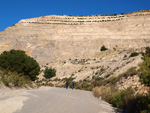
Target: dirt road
52,100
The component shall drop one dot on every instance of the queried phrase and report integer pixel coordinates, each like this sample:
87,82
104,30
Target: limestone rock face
51,38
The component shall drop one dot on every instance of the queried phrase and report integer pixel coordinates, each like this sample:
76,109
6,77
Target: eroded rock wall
51,38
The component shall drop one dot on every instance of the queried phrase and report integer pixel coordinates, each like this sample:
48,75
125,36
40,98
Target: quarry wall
59,37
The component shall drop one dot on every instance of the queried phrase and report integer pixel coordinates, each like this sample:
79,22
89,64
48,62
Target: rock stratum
61,37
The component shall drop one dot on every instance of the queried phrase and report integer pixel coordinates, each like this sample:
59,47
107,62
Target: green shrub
18,61
113,80
120,99
86,86
134,54
98,81
103,48
147,51
139,104
5,81
144,71
83,85
23,81
122,13
49,73
124,99
142,102
16,81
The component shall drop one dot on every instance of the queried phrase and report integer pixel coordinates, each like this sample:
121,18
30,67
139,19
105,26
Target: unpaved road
52,100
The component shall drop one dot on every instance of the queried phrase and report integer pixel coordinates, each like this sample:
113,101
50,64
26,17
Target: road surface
52,100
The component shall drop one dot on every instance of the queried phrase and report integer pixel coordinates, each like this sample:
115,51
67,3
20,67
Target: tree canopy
18,61
49,73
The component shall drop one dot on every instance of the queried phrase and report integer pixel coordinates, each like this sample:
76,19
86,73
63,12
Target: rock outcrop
62,37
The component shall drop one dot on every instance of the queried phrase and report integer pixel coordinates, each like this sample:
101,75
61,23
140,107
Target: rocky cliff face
51,38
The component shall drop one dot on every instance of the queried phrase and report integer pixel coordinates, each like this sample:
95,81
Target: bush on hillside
139,104
83,85
126,99
120,98
49,73
104,92
147,51
98,81
103,48
134,54
18,61
144,71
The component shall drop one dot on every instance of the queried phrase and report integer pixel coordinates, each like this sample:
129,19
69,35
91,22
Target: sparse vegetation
105,87
130,72
99,81
13,79
144,71
126,99
101,71
84,85
70,79
118,98
122,13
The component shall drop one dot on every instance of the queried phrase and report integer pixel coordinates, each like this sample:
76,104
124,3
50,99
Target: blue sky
12,11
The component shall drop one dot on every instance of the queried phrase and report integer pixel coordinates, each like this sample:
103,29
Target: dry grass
101,91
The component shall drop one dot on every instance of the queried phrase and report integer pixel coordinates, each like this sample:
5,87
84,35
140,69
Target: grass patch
84,85
12,79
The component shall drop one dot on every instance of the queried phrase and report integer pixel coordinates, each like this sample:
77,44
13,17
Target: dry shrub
102,92
96,91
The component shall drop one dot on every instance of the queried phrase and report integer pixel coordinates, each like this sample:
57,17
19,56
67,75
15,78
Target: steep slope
62,37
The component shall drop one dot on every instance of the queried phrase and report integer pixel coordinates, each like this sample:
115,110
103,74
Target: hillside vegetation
127,99
115,78
18,69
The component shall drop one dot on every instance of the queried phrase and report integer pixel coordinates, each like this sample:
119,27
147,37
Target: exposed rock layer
54,37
